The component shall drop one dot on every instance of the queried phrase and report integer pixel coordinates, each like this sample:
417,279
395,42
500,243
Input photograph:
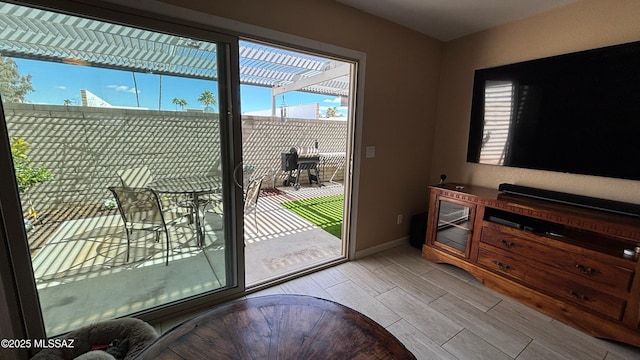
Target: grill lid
305,152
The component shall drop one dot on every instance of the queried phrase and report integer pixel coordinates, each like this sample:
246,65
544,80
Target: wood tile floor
441,312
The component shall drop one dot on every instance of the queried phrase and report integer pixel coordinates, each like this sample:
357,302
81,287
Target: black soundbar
617,207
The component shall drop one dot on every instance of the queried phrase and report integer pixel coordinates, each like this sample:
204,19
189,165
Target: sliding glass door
296,131
122,139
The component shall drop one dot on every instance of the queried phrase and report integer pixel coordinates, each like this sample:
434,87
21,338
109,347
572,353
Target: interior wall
402,68
582,25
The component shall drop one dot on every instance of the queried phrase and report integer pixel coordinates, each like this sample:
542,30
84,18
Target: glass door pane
295,146
454,226
115,136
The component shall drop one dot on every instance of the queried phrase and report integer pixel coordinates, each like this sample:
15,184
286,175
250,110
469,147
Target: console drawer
551,281
582,266
504,263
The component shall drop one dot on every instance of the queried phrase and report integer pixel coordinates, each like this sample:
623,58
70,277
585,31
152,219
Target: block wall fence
83,147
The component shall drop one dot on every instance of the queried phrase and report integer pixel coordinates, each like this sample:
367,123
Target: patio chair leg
166,233
167,262
128,243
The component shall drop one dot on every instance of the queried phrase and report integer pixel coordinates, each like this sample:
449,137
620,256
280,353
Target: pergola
39,34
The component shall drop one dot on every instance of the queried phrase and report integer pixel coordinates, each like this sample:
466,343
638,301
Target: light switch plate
370,152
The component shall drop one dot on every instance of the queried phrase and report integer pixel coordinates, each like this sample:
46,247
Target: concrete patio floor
105,287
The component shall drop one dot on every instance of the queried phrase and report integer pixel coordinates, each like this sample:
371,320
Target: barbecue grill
297,159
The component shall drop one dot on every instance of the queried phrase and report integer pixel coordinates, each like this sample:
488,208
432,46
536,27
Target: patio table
337,157
194,187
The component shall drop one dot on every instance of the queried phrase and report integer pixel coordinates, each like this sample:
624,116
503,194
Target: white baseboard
386,246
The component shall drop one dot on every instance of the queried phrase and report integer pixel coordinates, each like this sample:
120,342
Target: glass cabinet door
455,221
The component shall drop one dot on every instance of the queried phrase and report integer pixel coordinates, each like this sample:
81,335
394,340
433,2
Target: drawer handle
507,244
586,270
502,266
578,296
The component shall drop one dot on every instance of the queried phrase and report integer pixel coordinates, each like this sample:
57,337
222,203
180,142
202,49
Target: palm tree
332,112
179,102
67,102
135,86
207,98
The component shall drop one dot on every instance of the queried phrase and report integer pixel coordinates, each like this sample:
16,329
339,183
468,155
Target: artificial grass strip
325,212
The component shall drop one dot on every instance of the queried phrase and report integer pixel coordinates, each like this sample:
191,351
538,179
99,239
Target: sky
56,82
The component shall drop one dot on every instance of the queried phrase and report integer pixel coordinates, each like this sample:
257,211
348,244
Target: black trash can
418,231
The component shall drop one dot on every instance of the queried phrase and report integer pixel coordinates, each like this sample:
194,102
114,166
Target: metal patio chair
135,178
214,199
140,177
251,199
141,210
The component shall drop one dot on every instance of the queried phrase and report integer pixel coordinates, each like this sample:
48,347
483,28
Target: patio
78,246
81,261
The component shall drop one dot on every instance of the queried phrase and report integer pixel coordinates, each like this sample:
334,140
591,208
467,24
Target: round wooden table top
278,327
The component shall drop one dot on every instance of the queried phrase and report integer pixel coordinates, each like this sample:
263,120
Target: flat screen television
575,113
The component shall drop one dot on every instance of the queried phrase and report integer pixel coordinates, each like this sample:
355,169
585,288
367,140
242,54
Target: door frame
156,16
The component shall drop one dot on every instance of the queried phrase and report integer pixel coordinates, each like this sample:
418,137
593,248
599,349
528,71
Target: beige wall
583,25
402,69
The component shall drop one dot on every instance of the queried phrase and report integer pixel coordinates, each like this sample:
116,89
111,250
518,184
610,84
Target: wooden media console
577,265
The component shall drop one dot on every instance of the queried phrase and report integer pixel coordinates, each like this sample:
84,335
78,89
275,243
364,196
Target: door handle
507,244
235,174
502,265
